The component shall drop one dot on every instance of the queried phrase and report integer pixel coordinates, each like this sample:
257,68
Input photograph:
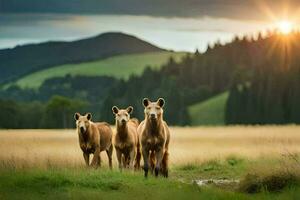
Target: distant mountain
26,59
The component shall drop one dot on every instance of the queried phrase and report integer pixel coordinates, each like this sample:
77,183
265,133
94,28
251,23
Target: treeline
262,75
196,78
54,103
86,88
271,93
56,113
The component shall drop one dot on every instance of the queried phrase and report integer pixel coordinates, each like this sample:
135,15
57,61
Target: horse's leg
146,161
119,157
125,160
86,157
165,167
137,159
109,153
96,159
159,156
132,157
152,161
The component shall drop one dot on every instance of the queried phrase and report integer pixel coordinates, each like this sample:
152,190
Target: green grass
82,183
118,66
231,167
92,184
209,112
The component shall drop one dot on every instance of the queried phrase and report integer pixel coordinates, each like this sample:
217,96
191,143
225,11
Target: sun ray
266,10
285,26
281,18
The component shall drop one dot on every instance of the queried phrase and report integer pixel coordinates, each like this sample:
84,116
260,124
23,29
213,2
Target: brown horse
155,137
126,139
94,138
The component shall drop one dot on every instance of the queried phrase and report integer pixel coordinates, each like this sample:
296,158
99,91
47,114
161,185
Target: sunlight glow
285,27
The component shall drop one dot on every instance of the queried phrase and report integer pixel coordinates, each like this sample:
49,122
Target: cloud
236,9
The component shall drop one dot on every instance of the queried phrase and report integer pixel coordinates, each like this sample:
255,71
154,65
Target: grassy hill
209,112
118,66
26,59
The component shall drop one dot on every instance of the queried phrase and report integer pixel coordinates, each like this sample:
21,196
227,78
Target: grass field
118,66
37,164
209,112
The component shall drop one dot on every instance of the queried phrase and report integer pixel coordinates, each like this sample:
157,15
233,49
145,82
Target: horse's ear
129,109
146,102
161,102
89,116
76,116
115,109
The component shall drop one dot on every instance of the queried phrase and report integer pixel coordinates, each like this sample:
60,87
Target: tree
9,115
60,110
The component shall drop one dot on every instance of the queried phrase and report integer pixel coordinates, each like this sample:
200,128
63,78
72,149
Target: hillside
23,60
209,112
118,66
256,79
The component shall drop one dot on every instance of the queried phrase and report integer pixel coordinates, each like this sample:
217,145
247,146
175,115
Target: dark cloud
238,9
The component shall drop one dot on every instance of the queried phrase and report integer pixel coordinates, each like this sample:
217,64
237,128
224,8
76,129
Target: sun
285,27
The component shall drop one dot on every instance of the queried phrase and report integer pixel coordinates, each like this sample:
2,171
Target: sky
181,25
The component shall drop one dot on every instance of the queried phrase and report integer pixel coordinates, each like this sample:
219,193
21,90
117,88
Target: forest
261,73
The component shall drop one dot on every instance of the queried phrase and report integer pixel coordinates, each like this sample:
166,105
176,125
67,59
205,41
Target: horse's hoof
146,173
156,171
166,175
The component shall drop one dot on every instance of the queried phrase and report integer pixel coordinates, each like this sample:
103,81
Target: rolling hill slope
23,60
117,66
209,112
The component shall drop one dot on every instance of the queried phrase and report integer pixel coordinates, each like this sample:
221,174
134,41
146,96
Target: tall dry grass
58,148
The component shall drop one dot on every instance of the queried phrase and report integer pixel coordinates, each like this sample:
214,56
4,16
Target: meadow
117,66
238,162
209,112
